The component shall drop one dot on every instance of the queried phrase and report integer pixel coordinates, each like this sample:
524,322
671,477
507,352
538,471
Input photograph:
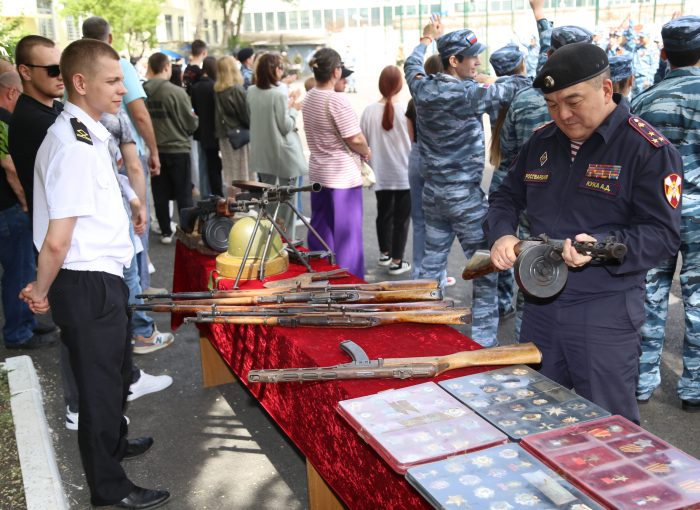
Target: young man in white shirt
82,233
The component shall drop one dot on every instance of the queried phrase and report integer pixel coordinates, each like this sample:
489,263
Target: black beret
245,54
571,64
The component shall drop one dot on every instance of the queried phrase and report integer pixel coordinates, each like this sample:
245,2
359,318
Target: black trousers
393,220
173,183
91,309
214,171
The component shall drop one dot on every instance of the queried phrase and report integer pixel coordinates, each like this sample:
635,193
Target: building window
318,21
168,27
247,23
181,27
328,19
207,37
364,16
388,12
215,28
46,28
424,9
257,17
410,10
340,18
305,22
43,6
436,8
293,20
376,18
71,29
352,17
270,21
282,21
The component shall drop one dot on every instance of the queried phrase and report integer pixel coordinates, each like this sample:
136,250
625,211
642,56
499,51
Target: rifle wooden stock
321,296
480,264
404,368
417,285
178,307
342,320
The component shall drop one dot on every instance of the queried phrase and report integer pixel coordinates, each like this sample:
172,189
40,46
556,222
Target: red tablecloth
307,411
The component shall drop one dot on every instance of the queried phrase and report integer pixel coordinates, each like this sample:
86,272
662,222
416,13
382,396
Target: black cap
345,72
571,64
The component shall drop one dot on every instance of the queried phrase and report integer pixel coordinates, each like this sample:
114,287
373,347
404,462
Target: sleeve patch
649,132
673,184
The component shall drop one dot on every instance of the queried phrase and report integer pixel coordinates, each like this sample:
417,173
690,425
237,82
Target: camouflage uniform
452,150
673,106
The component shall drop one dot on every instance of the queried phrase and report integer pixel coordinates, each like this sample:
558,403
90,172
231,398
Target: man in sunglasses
37,61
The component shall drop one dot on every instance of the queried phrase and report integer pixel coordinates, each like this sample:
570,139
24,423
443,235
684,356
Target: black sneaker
400,268
35,342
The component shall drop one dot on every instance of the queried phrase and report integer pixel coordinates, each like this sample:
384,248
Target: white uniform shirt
75,179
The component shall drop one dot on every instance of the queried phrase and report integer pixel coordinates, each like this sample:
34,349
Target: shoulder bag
237,137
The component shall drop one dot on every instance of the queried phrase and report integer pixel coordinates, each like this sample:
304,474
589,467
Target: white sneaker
384,260
400,268
157,341
73,418
148,383
166,239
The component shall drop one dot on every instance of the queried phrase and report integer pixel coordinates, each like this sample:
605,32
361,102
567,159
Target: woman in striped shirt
337,148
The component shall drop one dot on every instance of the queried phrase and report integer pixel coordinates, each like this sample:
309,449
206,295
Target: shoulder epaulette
649,132
81,132
542,126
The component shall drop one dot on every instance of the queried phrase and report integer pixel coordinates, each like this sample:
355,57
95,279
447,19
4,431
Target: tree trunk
199,23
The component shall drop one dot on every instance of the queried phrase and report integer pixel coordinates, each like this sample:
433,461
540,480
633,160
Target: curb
43,487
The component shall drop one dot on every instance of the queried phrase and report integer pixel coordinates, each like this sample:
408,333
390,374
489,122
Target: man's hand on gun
573,258
503,252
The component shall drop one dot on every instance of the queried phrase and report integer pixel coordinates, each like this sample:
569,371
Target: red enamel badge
673,184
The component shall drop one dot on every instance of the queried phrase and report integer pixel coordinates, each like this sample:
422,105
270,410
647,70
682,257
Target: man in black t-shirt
193,71
37,64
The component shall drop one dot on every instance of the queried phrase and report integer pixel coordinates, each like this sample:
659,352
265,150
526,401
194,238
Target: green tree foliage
10,34
133,22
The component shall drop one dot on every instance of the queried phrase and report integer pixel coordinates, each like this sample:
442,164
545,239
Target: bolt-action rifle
400,368
336,319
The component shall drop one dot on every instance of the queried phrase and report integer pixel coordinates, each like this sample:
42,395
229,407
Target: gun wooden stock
340,320
177,307
480,264
322,296
404,368
407,285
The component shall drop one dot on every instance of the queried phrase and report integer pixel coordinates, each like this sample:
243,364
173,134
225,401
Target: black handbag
238,137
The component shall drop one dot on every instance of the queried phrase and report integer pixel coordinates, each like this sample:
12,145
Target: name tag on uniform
536,177
611,172
605,186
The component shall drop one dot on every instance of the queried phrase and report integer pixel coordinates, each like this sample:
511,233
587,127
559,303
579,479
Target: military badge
81,132
611,172
536,177
673,187
648,131
543,158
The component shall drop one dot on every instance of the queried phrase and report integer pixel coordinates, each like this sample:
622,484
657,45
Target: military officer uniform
452,150
618,185
527,112
673,106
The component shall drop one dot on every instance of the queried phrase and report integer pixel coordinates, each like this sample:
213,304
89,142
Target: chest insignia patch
611,172
649,132
536,176
543,158
604,186
673,185
81,132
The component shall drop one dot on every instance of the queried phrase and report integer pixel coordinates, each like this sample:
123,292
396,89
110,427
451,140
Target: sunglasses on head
52,70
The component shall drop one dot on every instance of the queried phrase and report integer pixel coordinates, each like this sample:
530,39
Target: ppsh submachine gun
362,367
540,270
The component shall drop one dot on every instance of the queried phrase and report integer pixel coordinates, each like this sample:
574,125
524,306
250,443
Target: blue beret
506,59
459,42
620,67
682,34
570,65
569,34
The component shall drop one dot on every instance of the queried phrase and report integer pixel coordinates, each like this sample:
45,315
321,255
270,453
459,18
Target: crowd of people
83,138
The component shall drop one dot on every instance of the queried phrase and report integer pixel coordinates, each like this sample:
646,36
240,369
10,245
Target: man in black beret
594,173
246,57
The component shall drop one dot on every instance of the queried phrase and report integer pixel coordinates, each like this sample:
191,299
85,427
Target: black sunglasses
52,70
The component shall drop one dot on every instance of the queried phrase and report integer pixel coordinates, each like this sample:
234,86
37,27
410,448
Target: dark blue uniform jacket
623,183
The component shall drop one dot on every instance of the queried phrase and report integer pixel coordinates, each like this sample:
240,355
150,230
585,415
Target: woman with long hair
230,113
337,148
276,152
385,126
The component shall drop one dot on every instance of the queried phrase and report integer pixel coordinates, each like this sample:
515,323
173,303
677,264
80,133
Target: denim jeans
18,269
142,258
141,323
